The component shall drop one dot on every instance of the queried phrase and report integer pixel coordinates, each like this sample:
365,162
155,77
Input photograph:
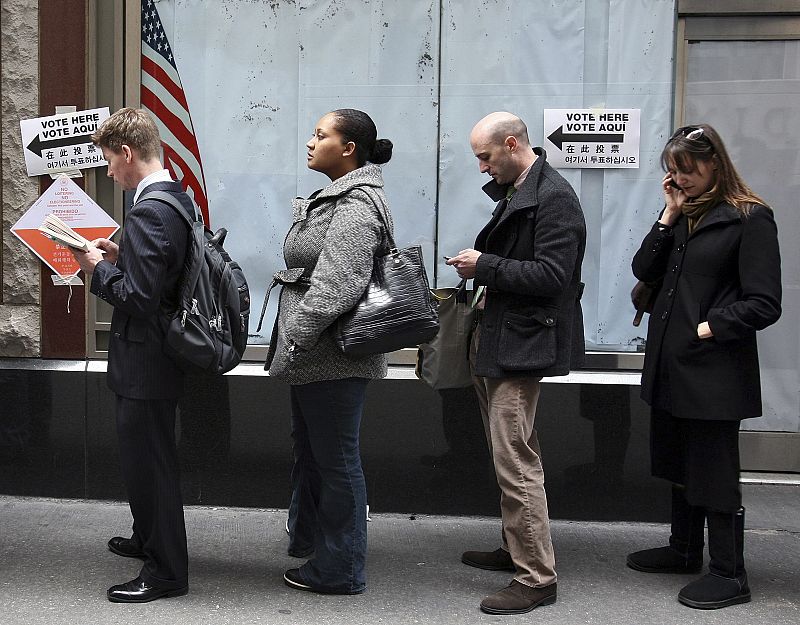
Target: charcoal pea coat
530,263
726,272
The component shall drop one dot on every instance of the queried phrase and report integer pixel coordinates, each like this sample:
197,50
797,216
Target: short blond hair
132,127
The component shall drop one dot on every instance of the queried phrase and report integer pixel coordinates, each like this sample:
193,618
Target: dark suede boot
497,560
685,551
726,583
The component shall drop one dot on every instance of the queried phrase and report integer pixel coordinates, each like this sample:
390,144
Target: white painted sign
62,142
592,138
72,205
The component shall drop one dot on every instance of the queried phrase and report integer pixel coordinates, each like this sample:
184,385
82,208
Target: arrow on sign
37,147
559,137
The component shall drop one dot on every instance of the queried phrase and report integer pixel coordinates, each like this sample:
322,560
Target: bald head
496,127
500,143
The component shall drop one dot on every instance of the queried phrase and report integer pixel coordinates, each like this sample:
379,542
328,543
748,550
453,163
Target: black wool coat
728,273
532,251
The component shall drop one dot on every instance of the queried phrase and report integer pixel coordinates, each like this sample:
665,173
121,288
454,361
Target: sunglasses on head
693,133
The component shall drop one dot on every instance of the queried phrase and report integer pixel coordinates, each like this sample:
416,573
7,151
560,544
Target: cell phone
673,184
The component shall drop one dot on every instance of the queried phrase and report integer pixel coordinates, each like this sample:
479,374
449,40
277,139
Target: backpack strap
191,275
169,198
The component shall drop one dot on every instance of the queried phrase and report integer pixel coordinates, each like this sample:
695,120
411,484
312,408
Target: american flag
162,94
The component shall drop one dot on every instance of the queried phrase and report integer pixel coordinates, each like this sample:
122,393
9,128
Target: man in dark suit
528,259
139,278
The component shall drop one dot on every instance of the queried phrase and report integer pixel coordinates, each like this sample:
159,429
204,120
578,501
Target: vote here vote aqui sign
592,138
62,142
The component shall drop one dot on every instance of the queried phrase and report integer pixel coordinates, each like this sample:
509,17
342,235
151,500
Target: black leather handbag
397,310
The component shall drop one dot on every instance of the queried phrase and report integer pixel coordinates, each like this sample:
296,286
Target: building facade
426,71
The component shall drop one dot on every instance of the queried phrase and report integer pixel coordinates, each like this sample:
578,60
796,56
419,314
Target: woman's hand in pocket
704,330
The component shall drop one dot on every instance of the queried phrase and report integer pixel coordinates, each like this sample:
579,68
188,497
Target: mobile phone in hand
673,184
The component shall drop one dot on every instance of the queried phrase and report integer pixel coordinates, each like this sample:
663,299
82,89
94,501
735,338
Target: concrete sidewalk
55,569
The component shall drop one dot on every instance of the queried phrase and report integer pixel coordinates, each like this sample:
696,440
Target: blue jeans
329,494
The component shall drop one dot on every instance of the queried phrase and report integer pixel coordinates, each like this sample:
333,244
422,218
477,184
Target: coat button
549,321
664,315
680,247
670,292
117,335
675,268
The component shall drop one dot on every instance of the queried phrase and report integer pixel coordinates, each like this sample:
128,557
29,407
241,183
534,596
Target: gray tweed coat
334,236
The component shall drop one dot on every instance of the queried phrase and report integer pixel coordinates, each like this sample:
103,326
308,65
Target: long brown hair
700,142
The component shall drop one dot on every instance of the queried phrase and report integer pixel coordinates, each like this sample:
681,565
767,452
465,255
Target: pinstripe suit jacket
144,280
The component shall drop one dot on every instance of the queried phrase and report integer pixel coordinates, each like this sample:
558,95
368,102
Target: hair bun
382,151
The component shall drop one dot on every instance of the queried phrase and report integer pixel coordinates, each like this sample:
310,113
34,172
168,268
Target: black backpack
208,331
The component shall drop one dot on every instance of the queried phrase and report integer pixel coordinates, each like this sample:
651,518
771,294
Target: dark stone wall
423,451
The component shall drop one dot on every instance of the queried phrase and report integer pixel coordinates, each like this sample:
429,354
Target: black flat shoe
125,547
293,580
139,591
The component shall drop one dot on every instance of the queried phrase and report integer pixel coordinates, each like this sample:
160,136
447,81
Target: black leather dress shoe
125,547
139,591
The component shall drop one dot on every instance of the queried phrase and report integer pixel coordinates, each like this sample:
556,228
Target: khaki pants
508,407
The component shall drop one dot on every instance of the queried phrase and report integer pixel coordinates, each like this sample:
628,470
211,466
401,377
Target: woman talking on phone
714,250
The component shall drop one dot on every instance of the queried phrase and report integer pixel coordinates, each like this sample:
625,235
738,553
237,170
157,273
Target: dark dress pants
329,496
149,462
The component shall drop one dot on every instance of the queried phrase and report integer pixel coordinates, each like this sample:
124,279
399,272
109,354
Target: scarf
696,208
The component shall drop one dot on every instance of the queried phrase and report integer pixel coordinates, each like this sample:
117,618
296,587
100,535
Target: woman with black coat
714,255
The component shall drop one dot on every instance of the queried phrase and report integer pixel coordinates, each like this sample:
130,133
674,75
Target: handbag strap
460,293
381,213
367,189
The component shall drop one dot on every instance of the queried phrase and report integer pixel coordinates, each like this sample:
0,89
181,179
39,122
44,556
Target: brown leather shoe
518,598
497,560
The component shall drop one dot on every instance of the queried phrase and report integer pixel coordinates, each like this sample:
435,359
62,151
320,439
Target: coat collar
367,176
370,175
721,213
524,197
527,194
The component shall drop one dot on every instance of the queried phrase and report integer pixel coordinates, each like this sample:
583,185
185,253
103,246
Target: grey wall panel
255,103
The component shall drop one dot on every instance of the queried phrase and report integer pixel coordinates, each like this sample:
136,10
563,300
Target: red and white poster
70,203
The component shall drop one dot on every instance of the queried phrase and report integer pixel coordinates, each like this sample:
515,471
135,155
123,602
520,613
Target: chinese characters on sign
592,138
62,142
